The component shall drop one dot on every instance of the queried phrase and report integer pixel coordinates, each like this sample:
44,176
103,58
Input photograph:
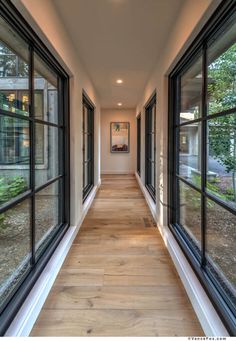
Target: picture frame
119,137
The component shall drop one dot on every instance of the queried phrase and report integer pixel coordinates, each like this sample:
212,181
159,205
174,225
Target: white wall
42,16
122,162
191,19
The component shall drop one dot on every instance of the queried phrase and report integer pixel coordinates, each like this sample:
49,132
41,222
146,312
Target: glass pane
47,215
15,246
14,72
86,169
153,113
47,163
190,212
86,147
153,175
190,153
221,239
46,91
85,118
222,158
153,147
191,92
222,72
14,157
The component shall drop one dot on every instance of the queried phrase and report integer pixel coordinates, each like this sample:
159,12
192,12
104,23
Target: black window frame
89,134
35,45
139,144
216,291
150,148
17,144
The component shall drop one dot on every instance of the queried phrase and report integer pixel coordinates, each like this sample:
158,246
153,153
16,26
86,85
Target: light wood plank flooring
118,278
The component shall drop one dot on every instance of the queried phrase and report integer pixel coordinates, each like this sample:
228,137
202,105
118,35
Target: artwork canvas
120,137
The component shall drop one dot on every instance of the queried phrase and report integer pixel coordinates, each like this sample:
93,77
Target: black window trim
149,104
138,120
89,104
14,18
213,288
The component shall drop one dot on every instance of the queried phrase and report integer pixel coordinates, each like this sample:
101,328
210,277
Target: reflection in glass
222,158
45,82
190,152
221,70
190,211
14,72
191,91
14,247
14,157
47,214
47,163
221,236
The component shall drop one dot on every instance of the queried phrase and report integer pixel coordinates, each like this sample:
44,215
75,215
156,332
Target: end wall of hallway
117,163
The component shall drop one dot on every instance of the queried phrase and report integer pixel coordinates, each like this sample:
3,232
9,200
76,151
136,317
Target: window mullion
32,149
204,155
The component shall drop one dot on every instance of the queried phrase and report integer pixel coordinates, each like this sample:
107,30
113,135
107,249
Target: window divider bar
14,115
203,155
48,123
48,183
32,149
190,184
17,200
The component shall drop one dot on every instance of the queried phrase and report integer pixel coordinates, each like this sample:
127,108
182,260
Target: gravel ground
15,234
221,236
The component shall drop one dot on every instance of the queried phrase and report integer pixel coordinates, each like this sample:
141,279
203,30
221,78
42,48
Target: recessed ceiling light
119,104
119,81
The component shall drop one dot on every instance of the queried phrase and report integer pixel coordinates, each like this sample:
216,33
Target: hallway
118,278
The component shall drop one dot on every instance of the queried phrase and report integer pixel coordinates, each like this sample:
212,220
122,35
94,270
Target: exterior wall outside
45,144
118,162
43,17
191,19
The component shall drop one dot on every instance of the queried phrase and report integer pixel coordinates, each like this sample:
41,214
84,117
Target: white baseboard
30,310
206,313
150,202
117,172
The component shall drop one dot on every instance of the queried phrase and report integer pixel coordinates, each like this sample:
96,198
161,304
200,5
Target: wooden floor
118,279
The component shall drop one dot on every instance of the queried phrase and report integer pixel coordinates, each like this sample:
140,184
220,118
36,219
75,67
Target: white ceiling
118,39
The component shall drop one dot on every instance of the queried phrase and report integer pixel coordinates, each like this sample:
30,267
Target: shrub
11,187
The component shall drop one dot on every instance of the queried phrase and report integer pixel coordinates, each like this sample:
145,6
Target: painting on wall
120,137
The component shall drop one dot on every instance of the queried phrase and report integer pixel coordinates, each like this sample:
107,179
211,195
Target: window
139,144
150,155
33,159
202,159
15,134
88,146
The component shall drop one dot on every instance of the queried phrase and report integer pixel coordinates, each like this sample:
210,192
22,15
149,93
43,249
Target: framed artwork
120,137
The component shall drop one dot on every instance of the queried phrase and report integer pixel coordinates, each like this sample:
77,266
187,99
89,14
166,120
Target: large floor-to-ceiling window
139,144
88,146
33,159
150,146
202,168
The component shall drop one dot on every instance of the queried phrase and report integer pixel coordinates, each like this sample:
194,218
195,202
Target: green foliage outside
213,188
10,188
222,96
194,199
